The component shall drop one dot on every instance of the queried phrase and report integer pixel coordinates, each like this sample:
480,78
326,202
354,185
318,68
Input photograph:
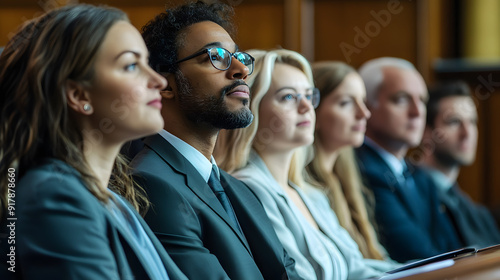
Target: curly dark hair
164,34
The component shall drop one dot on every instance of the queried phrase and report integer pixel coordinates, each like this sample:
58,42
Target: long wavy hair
343,184
233,146
36,122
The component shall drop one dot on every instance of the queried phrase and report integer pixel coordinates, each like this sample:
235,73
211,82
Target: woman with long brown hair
75,85
340,126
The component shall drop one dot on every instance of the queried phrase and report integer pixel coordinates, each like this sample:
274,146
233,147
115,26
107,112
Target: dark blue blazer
194,227
63,232
410,226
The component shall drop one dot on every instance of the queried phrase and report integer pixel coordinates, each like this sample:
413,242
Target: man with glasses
211,224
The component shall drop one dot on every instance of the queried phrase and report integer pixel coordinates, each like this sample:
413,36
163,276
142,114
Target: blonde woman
340,126
268,156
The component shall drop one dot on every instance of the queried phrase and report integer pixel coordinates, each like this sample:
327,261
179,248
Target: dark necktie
219,192
410,188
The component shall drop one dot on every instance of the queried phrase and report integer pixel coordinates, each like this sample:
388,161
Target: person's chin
236,103
356,143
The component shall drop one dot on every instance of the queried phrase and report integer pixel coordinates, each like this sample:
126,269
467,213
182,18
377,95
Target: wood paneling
12,18
355,31
260,25
419,31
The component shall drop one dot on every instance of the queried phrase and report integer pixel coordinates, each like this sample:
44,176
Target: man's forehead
397,80
207,33
461,105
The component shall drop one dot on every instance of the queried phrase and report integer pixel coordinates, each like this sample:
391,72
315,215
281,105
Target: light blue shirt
195,157
442,182
129,223
396,165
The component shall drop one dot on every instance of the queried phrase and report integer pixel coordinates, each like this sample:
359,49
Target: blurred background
445,39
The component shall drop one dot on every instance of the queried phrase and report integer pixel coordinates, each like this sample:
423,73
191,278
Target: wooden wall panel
259,25
139,16
491,187
353,24
418,31
12,18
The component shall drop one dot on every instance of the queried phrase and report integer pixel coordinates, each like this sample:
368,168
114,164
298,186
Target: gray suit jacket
63,232
194,227
327,253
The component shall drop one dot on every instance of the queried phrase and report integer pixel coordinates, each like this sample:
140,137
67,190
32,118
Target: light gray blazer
329,253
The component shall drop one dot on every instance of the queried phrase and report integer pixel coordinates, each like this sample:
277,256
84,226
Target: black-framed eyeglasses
290,99
221,58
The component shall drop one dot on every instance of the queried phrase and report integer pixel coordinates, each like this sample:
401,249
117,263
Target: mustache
227,89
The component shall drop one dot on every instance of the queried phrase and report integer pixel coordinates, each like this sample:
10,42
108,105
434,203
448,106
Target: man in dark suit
449,142
212,225
410,223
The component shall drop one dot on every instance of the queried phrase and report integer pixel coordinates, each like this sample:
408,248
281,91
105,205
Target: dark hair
442,90
35,122
164,34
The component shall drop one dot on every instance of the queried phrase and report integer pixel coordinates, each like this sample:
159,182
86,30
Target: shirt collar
396,165
440,180
195,157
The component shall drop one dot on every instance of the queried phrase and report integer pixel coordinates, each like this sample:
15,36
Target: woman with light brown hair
340,126
75,85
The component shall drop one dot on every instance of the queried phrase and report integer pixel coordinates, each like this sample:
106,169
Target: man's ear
169,91
78,98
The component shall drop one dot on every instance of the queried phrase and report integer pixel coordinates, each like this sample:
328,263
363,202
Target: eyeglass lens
292,99
312,96
221,58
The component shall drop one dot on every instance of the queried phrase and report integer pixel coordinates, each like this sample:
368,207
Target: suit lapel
172,270
194,181
238,199
373,163
130,241
414,196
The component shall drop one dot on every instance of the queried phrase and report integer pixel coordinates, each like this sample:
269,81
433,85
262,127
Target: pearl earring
87,107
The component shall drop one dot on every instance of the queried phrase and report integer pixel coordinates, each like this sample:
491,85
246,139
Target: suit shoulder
51,176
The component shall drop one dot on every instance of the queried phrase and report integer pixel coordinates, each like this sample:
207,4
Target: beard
211,109
448,159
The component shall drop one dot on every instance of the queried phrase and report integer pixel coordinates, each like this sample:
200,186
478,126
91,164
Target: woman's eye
345,102
287,97
131,67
